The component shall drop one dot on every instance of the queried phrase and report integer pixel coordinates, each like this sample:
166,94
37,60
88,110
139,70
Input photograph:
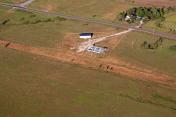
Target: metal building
86,35
96,49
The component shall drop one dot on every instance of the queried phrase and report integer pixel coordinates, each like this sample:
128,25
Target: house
96,49
127,18
86,35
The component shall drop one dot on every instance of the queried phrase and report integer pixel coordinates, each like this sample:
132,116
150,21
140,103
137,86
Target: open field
47,34
107,9
37,87
167,25
161,59
43,36
12,1
42,75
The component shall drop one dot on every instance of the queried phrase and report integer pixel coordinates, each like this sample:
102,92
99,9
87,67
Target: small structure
96,49
86,35
127,18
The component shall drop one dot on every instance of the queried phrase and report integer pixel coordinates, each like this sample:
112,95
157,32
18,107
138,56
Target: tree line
155,45
149,13
31,19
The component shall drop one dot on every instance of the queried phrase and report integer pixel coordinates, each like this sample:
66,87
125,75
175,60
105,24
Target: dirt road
26,3
84,45
90,20
107,64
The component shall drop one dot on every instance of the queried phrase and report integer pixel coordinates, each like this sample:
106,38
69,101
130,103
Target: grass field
12,1
107,9
169,23
46,34
35,87
162,58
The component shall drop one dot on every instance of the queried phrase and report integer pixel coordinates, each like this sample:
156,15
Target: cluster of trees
154,45
172,30
148,13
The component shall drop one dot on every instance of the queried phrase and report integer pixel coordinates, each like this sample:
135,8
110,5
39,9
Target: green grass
162,59
83,8
46,34
169,23
12,1
33,86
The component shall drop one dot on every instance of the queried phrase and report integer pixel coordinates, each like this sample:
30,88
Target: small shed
86,35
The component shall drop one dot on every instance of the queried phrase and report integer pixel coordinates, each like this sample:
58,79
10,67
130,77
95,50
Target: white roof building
96,49
86,35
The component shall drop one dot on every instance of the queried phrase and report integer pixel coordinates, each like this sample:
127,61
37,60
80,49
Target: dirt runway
106,64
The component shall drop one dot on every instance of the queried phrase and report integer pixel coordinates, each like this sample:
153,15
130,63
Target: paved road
89,20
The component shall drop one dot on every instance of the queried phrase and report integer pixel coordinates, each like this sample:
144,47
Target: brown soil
108,64
160,3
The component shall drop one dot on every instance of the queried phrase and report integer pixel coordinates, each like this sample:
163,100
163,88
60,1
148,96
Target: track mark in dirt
106,64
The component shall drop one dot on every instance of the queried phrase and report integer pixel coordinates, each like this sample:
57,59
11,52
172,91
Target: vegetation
154,45
41,34
32,19
168,25
34,86
163,58
147,13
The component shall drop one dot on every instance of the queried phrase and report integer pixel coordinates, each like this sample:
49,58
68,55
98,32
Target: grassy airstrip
33,86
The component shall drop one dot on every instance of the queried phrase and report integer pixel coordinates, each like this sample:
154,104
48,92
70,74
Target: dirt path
26,3
106,64
84,45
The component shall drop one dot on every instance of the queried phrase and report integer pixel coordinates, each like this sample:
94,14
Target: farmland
161,58
36,86
93,8
42,74
166,26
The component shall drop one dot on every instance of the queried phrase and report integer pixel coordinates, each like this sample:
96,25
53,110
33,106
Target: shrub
5,22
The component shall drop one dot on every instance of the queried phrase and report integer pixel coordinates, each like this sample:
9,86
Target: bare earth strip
113,65
160,3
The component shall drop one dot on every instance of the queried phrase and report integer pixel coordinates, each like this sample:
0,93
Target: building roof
96,49
86,34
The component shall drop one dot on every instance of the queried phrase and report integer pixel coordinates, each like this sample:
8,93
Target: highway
89,20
